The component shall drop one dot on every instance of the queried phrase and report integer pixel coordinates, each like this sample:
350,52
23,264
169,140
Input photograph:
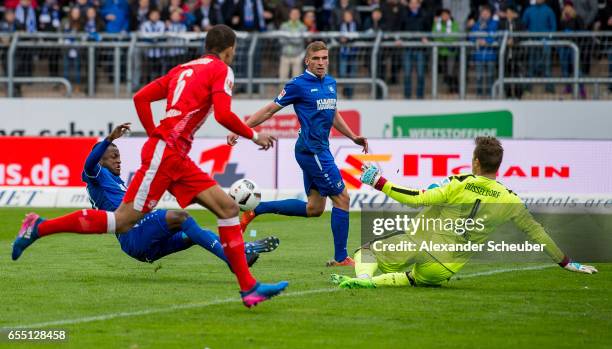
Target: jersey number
180,85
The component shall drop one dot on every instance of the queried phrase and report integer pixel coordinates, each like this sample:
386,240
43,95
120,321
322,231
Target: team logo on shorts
152,204
281,94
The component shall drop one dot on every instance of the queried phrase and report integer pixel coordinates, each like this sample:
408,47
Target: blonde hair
314,47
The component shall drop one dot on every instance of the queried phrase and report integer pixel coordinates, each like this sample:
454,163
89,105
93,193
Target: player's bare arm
119,131
342,127
256,119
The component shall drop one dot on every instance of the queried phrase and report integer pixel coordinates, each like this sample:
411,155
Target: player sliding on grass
476,196
190,90
313,95
160,232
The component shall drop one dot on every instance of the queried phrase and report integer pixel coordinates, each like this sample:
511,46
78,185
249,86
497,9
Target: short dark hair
219,38
95,145
489,153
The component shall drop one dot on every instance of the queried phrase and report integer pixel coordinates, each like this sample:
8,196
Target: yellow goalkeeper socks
391,279
365,270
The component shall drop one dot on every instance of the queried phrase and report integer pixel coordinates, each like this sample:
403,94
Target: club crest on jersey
281,94
331,88
326,103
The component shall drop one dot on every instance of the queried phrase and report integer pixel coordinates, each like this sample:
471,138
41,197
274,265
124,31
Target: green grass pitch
105,299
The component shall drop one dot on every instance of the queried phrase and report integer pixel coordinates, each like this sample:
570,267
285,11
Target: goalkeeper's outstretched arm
525,221
413,197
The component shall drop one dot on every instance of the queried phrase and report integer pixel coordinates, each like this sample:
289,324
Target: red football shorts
163,169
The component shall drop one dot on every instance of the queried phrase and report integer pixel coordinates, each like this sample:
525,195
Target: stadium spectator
484,56
49,20
310,22
511,22
72,25
586,10
83,5
292,54
338,14
347,65
25,17
604,23
460,10
153,28
445,24
374,22
325,20
171,7
415,20
252,15
283,9
570,22
539,18
138,13
7,25
116,15
25,20
393,15
49,16
206,16
176,55
94,25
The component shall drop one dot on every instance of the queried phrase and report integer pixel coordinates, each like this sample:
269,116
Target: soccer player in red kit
191,91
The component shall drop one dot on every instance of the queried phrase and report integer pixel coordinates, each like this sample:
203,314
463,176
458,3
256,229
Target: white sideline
110,316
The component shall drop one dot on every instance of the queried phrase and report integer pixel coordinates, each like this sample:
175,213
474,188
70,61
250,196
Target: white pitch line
173,308
501,271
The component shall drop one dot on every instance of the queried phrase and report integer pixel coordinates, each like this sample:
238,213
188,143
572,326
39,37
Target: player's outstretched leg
289,207
80,222
252,292
28,233
262,292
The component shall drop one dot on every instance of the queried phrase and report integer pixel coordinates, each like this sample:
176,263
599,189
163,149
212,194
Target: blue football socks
289,207
340,229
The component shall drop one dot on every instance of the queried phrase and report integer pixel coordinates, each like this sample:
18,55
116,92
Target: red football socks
233,247
80,222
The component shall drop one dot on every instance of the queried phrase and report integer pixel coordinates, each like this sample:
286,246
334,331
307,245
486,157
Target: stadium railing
367,65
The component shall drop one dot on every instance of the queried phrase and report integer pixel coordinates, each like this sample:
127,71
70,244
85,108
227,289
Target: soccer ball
245,193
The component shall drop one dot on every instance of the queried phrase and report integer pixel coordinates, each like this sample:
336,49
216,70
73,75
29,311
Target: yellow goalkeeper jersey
476,197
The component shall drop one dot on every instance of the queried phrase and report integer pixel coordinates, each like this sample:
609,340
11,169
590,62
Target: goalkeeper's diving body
476,196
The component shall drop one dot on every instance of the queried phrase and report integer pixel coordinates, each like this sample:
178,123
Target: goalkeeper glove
371,176
576,267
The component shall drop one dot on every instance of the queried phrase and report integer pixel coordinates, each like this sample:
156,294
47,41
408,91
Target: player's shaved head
489,153
219,38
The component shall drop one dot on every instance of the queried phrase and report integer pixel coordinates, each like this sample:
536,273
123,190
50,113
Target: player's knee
124,223
229,210
125,218
342,201
313,210
175,219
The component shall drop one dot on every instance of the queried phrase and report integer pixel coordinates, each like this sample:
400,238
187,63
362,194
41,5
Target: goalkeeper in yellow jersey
476,196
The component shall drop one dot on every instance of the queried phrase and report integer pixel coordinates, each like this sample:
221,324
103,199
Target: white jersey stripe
145,186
